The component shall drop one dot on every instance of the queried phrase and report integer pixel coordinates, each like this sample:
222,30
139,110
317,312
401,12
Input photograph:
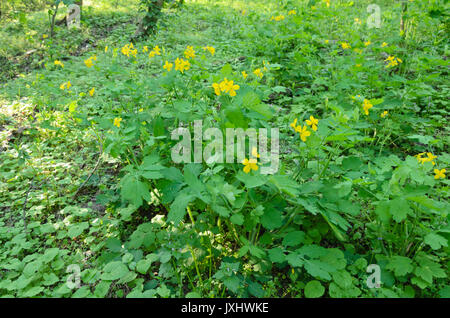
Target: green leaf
102,289
77,229
237,219
314,289
251,101
178,207
134,190
276,255
114,270
399,209
294,238
285,184
400,265
342,278
251,181
272,219
435,241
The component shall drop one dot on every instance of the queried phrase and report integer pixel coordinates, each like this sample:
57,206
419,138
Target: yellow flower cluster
439,174
392,61
57,62
189,52
128,49
345,45
357,21
210,49
252,163
92,91
327,2
225,86
429,158
168,66
156,51
182,65
277,18
67,85
366,106
117,121
89,62
303,131
384,114
258,73
292,12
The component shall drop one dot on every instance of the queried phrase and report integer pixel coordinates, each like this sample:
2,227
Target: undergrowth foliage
87,179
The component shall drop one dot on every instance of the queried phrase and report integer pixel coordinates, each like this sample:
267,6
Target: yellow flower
88,62
384,114
59,63
366,106
94,57
304,132
145,49
168,66
69,85
357,21
44,36
117,121
392,61
277,18
91,92
419,157
62,86
244,74
327,41
384,44
430,157
250,164
125,50
258,73
439,174
157,50
292,12
232,88
210,49
141,110
313,122
224,85
182,65
367,43
294,124
328,3
189,52
217,89
106,49
345,45
255,153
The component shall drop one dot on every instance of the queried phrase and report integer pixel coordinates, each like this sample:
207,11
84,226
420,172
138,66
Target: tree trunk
147,23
